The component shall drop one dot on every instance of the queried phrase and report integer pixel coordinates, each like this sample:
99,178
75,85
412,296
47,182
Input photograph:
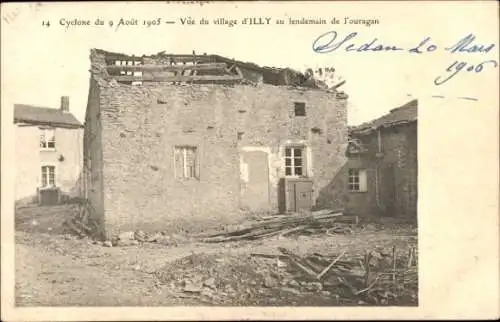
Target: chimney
65,104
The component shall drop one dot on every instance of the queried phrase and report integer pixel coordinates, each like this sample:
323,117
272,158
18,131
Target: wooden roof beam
209,66
185,78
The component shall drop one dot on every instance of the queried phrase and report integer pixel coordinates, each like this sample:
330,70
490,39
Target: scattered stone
107,243
290,290
154,237
139,235
314,286
270,282
128,235
128,242
229,289
325,293
207,292
293,283
114,241
280,263
192,288
164,240
210,283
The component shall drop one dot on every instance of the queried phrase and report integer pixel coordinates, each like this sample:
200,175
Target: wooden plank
176,78
189,58
176,58
163,67
320,275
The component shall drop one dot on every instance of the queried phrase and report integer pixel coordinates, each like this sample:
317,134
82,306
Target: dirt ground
57,269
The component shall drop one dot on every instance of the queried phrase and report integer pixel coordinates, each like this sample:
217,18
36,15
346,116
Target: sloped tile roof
406,113
44,116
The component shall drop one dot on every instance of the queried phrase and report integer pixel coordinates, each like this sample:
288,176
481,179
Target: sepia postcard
211,160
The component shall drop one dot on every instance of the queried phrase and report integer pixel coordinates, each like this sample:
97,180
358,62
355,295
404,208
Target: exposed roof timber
338,85
152,67
180,78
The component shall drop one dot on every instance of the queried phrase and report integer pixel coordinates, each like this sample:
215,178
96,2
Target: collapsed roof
197,68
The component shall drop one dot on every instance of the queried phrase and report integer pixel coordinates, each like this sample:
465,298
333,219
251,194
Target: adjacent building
176,141
48,153
382,169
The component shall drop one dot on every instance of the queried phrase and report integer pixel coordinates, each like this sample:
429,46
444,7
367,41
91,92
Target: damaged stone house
381,175
48,153
176,141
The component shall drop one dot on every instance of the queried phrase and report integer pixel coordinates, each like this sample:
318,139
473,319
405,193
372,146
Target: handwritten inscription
327,43
10,16
457,66
330,41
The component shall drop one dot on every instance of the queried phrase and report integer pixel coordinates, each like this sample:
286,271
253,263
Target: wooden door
388,190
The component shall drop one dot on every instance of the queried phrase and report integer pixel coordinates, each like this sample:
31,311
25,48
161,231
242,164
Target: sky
41,64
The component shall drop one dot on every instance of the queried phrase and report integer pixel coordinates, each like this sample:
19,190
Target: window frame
46,174
183,149
359,180
300,106
46,141
292,158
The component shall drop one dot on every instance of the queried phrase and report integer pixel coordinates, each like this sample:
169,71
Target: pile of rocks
260,279
138,237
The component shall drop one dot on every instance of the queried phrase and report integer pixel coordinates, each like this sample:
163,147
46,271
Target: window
356,146
186,162
357,180
300,109
47,139
48,176
294,161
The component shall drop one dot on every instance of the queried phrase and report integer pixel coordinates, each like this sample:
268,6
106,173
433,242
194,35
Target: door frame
244,174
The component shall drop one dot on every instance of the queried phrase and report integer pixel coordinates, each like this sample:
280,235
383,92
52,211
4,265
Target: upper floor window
300,109
48,177
295,161
185,159
47,139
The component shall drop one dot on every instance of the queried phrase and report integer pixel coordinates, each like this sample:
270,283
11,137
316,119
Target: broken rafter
186,78
338,85
209,66
189,58
320,275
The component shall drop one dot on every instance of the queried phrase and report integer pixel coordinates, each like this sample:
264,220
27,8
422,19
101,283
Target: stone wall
400,155
141,125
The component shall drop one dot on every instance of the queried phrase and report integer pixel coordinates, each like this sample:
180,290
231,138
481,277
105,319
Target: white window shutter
362,180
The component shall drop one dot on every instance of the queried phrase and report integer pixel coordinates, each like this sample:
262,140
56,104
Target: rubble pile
386,277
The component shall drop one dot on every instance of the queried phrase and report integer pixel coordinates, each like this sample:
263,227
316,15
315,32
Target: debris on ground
322,221
373,278
333,261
